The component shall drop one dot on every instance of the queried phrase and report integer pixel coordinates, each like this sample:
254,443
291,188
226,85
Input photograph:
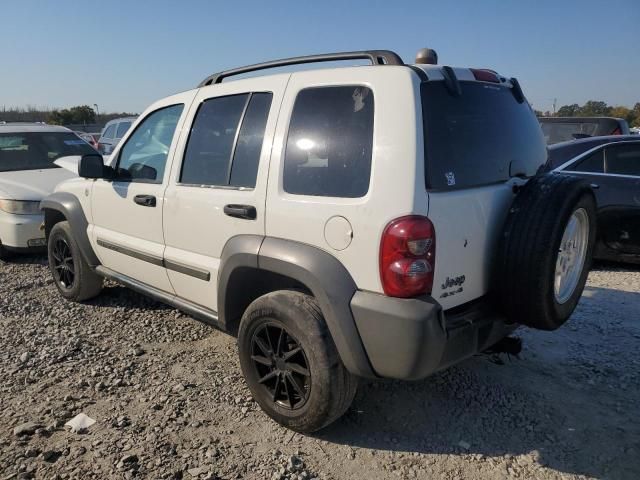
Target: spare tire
545,251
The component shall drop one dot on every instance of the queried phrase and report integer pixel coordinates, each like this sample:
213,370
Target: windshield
37,150
480,137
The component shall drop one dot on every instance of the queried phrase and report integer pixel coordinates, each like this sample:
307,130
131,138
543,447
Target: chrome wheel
63,266
281,366
571,255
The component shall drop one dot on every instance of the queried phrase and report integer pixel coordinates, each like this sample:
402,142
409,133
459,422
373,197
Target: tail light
407,257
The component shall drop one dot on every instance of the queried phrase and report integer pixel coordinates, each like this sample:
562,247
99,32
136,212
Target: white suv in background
112,133
27,174
373,221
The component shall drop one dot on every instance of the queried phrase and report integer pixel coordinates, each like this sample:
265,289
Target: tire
4,253
72,275
325,393
530,251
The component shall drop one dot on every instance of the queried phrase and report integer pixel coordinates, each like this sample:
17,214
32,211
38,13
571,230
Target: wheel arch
253,265
64,206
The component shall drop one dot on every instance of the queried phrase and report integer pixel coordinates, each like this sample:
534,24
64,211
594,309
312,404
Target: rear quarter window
330,142
480,137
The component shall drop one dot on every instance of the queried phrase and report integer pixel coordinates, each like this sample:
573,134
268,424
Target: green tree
568,110
75,115
594,108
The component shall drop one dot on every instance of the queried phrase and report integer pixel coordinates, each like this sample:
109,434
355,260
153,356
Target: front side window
122,129
226,140
38,150
593,163
144,156
330,142
623,159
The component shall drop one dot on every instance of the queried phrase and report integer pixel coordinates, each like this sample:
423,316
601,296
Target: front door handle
246,212
145,200
595,186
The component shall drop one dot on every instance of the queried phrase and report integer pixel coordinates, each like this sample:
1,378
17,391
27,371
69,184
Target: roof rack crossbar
377,57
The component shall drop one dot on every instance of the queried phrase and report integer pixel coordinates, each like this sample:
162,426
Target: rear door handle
145,200
246,212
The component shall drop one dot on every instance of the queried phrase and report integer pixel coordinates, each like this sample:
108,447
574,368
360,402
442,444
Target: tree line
597,108
78,115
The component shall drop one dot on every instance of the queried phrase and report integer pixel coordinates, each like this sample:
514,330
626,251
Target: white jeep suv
373,221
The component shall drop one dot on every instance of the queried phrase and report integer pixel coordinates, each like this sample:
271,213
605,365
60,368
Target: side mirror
92,166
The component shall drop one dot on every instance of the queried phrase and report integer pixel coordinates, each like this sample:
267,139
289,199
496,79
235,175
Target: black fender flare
322,273
68,205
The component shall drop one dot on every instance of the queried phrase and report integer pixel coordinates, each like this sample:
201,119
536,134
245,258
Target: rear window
109,132
122,129
481,137
330,142
563,132
37,150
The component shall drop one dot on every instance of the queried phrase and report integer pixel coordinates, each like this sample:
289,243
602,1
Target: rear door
476,144
219,180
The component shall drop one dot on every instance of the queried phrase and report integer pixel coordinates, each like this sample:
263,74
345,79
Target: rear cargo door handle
246,212
145,200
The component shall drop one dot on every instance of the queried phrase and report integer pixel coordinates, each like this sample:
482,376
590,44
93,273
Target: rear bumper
412,338
21,232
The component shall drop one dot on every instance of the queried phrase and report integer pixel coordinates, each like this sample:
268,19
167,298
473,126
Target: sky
124,55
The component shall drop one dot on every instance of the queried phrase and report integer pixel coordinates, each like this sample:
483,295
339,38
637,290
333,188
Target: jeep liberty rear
378,221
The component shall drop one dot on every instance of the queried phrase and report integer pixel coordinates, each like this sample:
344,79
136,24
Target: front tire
291,364
72,275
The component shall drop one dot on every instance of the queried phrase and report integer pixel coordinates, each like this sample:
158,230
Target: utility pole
555,101
97,111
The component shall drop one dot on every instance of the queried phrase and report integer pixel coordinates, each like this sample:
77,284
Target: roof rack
377,57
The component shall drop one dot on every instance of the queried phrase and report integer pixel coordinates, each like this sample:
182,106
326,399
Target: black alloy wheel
281,365
63,265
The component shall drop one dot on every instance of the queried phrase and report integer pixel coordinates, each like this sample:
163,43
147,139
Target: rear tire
75,280
550,229
274,326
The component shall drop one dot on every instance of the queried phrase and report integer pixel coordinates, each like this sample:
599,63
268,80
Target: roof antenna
427,56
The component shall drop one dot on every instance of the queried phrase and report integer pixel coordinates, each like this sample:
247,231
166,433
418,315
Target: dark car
562,129
612,166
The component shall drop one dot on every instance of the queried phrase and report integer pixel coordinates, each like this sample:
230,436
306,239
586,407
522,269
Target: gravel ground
170,402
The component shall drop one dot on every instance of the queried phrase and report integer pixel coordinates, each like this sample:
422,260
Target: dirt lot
170,402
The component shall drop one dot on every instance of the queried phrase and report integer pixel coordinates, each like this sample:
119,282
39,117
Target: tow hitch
512,346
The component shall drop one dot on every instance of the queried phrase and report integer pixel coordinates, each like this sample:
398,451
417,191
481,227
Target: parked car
612,166
90,138
27,174
562,129
112,133
369,221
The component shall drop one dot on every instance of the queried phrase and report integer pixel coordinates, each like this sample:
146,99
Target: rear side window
481,137
213,156
624,159
593,163
108,133
330,142
122,129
